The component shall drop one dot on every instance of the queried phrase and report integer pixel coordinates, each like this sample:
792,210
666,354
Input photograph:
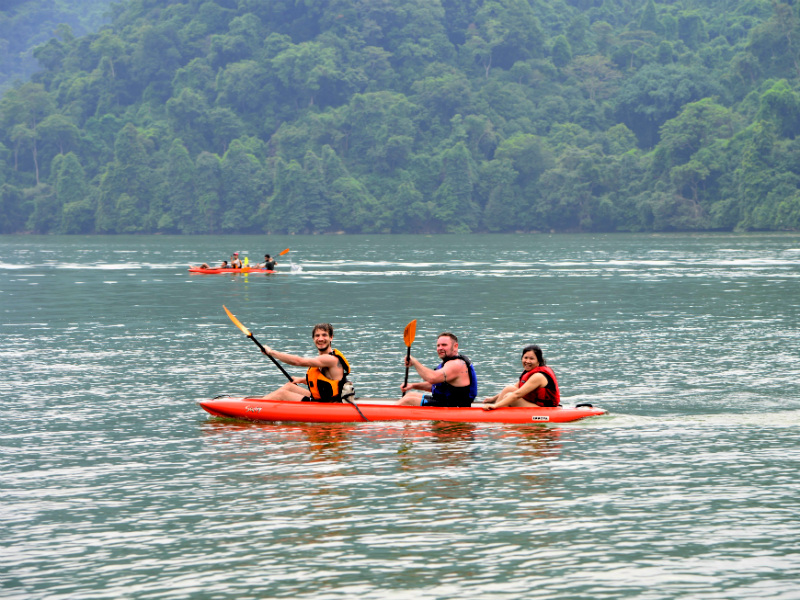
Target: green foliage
205,116
27,28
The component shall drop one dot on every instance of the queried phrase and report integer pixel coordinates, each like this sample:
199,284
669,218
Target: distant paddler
223,265
270,263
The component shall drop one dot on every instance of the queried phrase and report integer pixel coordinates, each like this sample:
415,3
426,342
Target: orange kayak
213,271
257,409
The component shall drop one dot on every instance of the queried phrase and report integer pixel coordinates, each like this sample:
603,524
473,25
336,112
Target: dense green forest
24,24
282,116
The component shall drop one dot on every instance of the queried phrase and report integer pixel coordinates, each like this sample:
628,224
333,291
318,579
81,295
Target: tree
46,215
698,126
649,18
72,192
303,68
504,209
287,206
781,106
110,48
317,204
656,94
376,127
529,156
133,175
21,111
130,219
208,187
561,51
443,90
181,192
691,29
454,205
244,87
13,209
407,208
241,188
596,75
503,32
241,42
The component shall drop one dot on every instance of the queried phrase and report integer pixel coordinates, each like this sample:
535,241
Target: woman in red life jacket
537,386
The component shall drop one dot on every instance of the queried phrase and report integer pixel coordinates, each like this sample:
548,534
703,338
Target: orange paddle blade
237,323
284,252
409,333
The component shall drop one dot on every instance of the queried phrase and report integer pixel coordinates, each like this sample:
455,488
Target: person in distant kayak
327,373
537,386
235,262
224,265
268,263
452,383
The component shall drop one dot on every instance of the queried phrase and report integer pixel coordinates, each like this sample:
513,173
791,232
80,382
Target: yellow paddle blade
237,323
409,333
284,252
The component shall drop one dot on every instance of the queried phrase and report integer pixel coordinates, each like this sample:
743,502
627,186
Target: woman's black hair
537,351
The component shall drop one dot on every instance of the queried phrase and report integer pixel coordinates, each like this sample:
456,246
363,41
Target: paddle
250,335
408,337
284,252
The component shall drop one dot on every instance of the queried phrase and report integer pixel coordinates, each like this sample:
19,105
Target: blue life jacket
445,394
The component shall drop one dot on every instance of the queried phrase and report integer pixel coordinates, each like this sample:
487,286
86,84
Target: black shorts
429,400
323,400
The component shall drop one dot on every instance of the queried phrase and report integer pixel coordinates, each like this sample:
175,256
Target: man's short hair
324,327
452,336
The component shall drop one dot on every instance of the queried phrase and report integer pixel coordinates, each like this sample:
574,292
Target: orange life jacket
322,388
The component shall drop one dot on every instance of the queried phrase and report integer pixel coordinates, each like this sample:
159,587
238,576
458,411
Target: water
114,484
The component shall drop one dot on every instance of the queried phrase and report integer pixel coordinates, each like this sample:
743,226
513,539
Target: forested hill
24,24
203,116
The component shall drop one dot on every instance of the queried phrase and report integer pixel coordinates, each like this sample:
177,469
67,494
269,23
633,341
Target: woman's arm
534,383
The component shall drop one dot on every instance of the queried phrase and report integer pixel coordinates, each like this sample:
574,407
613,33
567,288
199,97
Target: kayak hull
228,271
257,409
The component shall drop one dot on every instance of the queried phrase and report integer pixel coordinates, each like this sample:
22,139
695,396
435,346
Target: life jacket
543,396
445,394
327,390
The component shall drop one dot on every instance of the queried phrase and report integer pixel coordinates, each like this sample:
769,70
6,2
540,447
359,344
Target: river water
115,484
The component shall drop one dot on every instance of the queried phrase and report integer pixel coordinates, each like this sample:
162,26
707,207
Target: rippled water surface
115,484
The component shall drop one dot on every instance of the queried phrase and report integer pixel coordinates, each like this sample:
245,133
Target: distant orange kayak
257,409
213,271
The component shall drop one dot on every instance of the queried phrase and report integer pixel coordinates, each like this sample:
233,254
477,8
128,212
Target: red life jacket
543,396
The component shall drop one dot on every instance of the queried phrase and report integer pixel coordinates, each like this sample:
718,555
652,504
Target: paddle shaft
408,357
275,362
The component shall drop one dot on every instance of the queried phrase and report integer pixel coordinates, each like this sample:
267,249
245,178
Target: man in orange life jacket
326,375
452,383
537,386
